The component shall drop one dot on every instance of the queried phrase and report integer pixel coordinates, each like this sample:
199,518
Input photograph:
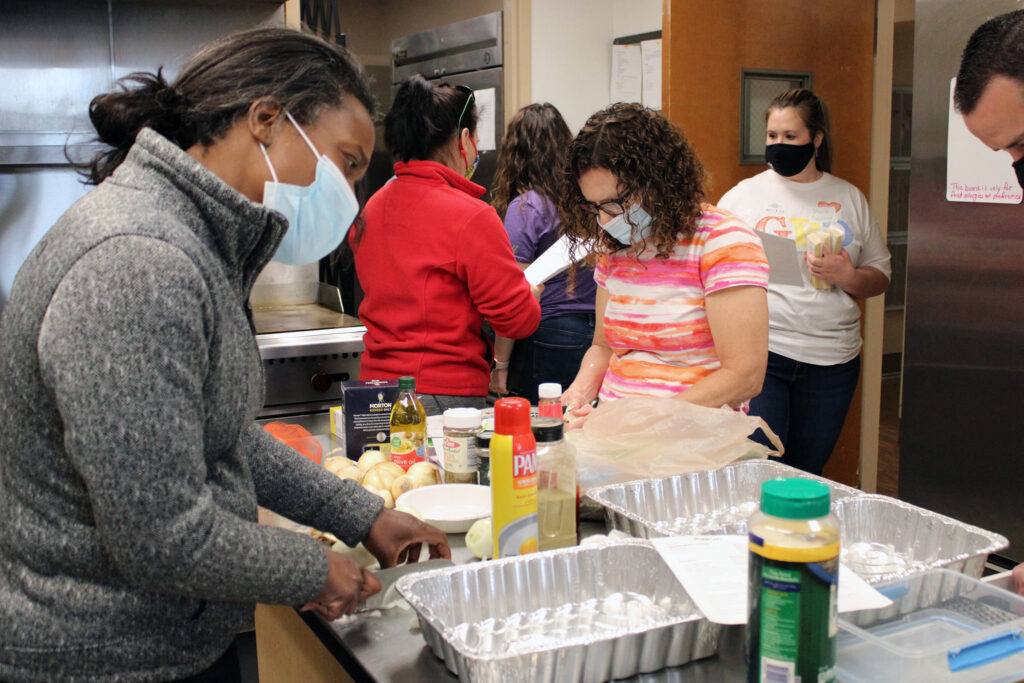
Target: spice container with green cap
794,571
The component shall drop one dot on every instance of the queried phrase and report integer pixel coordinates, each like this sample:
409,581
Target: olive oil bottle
408,426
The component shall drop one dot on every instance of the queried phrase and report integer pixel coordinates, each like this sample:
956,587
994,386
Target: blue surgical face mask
319,215
620,228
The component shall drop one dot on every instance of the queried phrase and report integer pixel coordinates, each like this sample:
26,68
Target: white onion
369,459
479,539
424,473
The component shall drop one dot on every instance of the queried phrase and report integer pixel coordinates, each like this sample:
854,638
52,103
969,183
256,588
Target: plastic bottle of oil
513,479
556,485
408,425
793,584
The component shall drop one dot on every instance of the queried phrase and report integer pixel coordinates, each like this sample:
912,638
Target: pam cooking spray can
513,479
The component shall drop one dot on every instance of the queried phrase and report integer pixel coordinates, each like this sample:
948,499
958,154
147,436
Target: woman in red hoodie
433,259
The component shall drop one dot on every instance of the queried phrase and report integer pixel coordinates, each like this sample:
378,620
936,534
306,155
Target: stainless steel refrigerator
962,431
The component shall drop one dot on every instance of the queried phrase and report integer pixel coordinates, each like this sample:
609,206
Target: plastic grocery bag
641,438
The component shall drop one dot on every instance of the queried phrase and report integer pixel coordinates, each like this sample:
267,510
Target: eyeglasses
612,207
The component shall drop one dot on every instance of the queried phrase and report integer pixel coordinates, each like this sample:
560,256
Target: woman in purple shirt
531,158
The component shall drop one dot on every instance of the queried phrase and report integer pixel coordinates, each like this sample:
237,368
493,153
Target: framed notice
975,173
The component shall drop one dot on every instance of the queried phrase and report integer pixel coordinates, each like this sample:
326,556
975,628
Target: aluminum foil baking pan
883,539
590,613
714,502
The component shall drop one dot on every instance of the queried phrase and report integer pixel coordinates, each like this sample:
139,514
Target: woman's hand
348,583
834,268
396,538
837,269
537,290
577,407
499,382
1018,578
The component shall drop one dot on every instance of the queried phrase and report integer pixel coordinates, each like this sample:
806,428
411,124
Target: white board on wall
975,173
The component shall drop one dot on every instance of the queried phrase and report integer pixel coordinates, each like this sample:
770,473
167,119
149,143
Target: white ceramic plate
452,508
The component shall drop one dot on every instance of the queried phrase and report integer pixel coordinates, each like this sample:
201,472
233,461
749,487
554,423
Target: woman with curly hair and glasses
434,259
525,190
681,304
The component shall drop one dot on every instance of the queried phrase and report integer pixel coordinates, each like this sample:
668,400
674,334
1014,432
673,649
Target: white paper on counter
627,74
552,262
485,124
783,259
713,570
650,51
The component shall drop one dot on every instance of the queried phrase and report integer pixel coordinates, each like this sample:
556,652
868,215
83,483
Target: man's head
990,86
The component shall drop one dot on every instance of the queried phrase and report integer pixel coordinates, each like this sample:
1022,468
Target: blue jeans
551,354
805,405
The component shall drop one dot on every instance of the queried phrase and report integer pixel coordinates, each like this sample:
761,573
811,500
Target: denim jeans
551,354
805,405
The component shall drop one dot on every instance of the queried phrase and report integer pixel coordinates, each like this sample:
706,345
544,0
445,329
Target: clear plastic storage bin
942,626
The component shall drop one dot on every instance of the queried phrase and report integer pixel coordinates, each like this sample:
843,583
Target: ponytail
217,86
119,116
424,117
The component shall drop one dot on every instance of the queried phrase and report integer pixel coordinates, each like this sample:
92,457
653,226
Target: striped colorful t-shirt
655,321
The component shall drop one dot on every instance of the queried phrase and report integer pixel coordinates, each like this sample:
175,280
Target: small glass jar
483,451
461,425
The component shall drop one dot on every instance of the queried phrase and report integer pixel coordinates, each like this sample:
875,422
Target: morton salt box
364,419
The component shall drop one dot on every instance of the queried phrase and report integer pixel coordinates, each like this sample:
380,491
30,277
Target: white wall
571,54
630,17
571,59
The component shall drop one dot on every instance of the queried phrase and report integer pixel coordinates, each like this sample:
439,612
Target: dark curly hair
532,155
652,162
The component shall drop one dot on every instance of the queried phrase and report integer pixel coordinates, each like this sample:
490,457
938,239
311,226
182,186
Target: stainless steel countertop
386,645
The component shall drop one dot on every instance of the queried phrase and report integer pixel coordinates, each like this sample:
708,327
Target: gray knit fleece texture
130,465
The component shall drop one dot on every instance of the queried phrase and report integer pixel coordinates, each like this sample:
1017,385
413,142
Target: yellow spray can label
513,496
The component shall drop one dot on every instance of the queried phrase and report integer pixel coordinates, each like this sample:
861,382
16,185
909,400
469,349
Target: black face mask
1018,168
788,160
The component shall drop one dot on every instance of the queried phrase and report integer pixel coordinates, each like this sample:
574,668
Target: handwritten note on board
486,110
627,74
975,173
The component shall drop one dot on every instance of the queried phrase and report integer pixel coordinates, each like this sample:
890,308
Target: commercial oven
465,53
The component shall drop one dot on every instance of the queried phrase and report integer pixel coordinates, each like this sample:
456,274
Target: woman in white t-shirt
814,333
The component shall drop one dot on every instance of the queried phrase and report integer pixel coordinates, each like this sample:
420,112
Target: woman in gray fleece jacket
130,463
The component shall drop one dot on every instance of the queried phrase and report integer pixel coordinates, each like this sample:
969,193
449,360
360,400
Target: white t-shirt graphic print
810,325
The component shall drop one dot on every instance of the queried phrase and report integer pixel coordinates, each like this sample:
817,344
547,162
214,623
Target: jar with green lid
793,584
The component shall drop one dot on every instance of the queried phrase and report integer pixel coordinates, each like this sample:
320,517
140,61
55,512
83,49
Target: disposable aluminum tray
714,502
883,539
590,613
